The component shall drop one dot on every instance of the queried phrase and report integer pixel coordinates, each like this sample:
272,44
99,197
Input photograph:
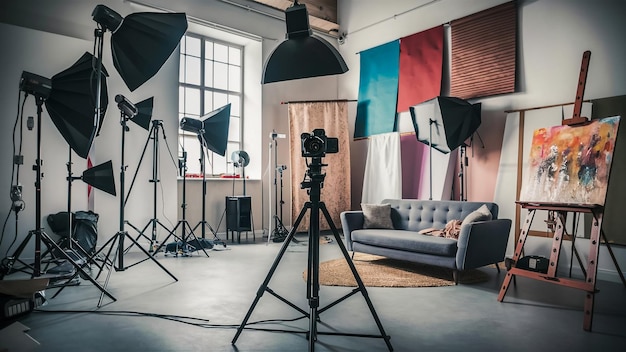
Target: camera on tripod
317,144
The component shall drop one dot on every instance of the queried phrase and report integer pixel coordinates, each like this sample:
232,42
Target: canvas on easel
571,164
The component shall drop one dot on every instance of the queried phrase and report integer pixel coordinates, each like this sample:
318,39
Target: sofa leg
455,276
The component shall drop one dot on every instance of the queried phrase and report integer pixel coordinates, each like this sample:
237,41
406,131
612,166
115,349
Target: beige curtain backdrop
335,193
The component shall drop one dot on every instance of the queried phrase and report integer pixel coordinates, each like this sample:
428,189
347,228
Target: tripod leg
346,255
147,254
171,233
140,233
50,242
193,235
114,242
266,282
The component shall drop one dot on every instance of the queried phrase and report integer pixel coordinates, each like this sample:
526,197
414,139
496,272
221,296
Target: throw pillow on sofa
377,216
480,214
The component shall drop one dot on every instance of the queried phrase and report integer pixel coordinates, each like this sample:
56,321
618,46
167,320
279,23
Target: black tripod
280,232
203,224
153,223
38,233
314,184
182,244
117,241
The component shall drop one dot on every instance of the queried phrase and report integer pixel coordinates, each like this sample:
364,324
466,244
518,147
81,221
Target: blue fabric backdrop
378,90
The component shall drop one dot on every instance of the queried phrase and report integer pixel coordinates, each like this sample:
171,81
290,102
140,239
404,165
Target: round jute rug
376,271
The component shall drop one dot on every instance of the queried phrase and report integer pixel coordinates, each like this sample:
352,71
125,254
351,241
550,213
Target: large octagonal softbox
141,42
212,129
72,104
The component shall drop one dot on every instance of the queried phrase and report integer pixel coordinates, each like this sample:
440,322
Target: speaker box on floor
238,213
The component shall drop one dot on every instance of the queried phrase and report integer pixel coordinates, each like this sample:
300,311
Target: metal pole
430,157
37,168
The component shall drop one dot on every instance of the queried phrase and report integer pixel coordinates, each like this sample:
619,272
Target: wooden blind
484,52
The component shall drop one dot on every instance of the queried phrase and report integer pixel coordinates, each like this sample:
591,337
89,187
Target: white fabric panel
383,169
506,189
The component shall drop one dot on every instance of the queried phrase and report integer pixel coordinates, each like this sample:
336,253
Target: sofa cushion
480,214
407,241
377,216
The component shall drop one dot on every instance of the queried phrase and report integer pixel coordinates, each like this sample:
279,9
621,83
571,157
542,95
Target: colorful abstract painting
571,164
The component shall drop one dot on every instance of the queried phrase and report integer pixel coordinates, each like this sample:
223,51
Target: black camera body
316,144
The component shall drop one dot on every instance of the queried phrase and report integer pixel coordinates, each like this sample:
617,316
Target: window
211,76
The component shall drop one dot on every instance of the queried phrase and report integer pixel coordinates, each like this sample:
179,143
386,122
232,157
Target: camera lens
314,145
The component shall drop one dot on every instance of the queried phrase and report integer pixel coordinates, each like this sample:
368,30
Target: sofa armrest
351,220
482,243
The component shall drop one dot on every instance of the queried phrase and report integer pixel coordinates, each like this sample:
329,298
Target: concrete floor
202,311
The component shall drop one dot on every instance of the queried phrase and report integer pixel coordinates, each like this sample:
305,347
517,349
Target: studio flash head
35,84
316,144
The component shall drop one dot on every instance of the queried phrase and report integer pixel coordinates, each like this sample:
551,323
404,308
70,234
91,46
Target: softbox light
101,177
445,123
141,42
144,113
302,55
212,129
72,104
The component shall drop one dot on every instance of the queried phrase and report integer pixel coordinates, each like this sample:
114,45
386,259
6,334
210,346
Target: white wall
553,34
42,52
47,54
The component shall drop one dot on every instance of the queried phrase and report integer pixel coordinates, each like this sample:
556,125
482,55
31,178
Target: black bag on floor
86,230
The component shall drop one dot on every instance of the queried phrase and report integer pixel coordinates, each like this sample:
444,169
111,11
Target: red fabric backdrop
421,65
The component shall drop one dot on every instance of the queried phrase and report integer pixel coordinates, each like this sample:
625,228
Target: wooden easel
561,210
589,283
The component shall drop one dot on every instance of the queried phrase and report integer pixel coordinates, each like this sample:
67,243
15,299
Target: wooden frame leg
518,252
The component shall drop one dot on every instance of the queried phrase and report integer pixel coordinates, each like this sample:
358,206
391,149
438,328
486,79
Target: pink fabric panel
414,165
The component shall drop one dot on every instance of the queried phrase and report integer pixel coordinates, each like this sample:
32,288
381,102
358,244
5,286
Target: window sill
217,179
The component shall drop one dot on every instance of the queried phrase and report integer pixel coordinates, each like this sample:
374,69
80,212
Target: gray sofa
479,243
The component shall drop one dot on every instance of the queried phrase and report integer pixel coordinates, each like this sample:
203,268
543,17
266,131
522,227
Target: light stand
203,224
101,177
154,223
431,122
38,233
455,121
315,205
279,233
463,164
212,132
181,244
117,241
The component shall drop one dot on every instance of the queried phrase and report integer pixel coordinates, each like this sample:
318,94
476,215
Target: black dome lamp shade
72,104
141,42
302,55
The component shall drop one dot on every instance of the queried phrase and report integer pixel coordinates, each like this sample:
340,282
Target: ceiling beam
322,13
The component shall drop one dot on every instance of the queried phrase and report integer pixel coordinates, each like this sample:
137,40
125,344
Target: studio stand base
314,205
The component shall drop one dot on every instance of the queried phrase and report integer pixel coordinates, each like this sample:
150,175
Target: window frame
212,170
